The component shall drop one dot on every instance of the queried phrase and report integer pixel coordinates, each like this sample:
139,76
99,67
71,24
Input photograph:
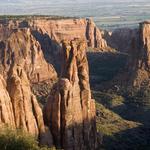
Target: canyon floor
123,124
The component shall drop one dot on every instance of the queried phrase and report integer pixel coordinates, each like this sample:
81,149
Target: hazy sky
81,8
49,6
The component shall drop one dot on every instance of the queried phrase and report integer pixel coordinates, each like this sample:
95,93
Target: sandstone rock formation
22,48
145,45
94,36
122,39
70,111
50,31
142,57
6,109
22,63
68,29
27,112
137,41
58,29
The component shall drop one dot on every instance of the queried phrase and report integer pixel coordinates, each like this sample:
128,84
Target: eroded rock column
70,111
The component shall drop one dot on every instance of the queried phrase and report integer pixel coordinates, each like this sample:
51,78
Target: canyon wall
142,56
68,29
21,48
22,63
135,44
58,29
49,32
122,39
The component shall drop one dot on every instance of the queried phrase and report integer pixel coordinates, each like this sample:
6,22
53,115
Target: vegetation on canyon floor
18,140
112,123
123,126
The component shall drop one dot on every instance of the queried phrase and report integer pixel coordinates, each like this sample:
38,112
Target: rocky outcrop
94,36
70,111
6,109
58,29
142,56
27,112
23,49
138,62
68,29
49,32
137,69
22,63
122,39
19,107
145,45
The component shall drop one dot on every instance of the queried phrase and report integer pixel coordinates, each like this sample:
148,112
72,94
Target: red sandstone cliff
22,63
68,29
21,48
49,32
59,29
136,44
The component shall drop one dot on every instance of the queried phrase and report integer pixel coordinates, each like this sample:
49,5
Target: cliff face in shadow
122,83
138,62
135,44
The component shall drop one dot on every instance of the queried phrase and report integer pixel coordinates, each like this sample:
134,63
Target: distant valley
106,14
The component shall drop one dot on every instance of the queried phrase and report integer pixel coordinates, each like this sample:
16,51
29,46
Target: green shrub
108,99
18,140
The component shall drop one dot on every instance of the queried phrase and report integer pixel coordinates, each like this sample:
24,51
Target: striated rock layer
68,29
57,30
26,110
6,109
138,66
49,32
137,70
22,48
70,111
22,63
